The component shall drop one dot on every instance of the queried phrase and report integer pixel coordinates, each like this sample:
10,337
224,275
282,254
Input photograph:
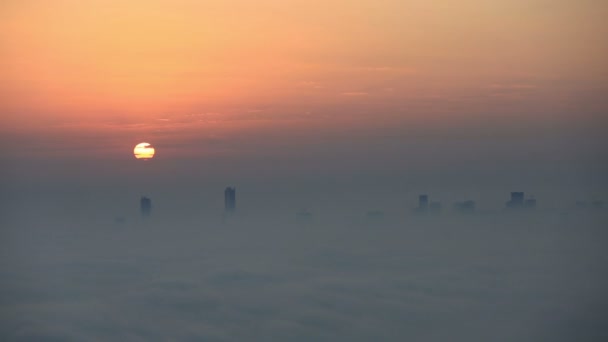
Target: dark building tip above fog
230,199
374,214
518,201
304,216
465,207
145,206
595,204
423,204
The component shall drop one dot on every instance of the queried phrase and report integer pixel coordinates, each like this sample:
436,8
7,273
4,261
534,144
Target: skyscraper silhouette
230,199
530,204
517,200
465,207
145,205
423,202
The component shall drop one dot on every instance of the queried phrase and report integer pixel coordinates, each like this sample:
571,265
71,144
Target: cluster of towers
424,206
590,205
517,202
145,203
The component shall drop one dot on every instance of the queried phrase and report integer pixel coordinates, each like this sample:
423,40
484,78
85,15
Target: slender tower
230,199
145,205
423,203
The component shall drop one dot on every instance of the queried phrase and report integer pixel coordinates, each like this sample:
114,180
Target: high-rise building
530,203
595,204
423,203
145,205
304,216
230,199
517,200
466,207
374,214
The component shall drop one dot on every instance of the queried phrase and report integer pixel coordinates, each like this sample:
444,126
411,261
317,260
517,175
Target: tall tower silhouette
145,206
423,203
230,199
517,200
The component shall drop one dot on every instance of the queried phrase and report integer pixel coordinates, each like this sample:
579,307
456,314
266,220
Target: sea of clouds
493,277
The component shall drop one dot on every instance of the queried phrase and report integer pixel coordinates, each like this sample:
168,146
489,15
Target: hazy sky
512,90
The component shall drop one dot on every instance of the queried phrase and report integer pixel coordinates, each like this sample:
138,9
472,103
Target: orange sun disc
143,151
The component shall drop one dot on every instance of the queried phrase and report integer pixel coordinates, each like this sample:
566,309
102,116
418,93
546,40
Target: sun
143,151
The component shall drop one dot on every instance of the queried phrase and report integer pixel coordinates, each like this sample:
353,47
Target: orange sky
102,64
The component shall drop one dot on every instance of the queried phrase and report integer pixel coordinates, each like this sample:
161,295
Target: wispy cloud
310,85
516,86
355,93
388,69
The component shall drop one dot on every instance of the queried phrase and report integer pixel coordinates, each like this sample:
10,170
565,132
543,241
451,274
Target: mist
294,265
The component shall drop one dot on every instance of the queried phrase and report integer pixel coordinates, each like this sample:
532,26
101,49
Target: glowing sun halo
143,151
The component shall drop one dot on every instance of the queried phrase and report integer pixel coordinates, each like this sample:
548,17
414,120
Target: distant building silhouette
517,200
304,216
595,205
375,214
230,199
145,205
423,204
466,207
530,203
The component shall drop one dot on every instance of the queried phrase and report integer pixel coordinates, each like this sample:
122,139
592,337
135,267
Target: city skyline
518,203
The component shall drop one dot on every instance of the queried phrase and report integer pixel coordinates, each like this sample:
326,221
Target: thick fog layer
99,274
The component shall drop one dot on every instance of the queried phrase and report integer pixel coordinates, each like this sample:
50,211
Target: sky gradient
306,88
